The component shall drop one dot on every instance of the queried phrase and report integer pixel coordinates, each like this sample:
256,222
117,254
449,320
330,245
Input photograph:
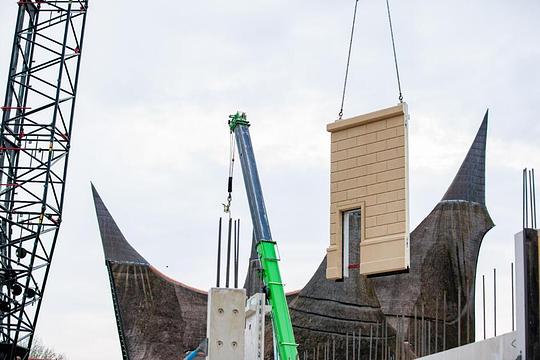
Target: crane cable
394,50
227,204
348,61
350,50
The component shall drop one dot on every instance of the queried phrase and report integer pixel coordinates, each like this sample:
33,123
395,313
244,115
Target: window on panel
351,225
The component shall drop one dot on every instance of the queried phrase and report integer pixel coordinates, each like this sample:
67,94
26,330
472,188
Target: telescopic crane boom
266,247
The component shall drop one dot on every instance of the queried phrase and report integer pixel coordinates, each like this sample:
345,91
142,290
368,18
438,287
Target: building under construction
404,314
381,291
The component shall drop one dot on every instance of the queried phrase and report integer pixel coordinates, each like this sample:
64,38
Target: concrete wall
369,171
502,347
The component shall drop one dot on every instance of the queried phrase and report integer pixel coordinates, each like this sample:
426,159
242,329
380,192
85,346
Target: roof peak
470,181
115,246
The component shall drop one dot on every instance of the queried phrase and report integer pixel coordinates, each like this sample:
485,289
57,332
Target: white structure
225,326
256,309
527,293
520,291
503,347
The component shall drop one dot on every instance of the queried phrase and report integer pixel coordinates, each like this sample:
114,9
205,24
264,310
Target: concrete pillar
225,326
527,293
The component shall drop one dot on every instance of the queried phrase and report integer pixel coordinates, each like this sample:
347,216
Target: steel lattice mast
35,135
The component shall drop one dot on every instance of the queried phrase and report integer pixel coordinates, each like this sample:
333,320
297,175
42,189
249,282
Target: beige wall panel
369,171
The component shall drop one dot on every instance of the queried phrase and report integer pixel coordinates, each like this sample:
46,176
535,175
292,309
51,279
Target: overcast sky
159,79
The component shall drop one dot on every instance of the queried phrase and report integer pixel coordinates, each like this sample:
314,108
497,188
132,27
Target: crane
266,247
35,139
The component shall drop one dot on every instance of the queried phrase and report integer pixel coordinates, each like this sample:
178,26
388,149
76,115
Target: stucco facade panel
369,166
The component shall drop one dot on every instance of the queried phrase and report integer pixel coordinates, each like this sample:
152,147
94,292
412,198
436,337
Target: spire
115,246
470,181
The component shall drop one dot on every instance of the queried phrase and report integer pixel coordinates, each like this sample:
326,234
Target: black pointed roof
115,246
470,181
253,283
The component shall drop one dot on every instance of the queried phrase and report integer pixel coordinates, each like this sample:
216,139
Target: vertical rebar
359,343
318,351
353,347
377,341
533,182
399,336
513,310
495,301
423,331
444,321
484,303
237,253
347,346
459,316
370,339
328,348
415,330
219,254
429,338
403,328
234,255
396,340
525,209
228,254
436,323
385,339
333,348
468,311
530,199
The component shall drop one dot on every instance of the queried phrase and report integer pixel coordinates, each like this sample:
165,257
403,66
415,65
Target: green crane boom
266,247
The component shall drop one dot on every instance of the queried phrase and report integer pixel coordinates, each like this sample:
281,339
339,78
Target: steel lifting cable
350,50
348,61
227,204
394,50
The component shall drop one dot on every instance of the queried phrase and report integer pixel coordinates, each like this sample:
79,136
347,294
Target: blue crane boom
266,247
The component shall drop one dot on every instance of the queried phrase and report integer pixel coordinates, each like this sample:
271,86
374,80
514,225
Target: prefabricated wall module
369,204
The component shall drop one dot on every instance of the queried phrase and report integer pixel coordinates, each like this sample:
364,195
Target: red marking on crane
21,134
64,136
77,50
354,266
9,184
5,108
11,148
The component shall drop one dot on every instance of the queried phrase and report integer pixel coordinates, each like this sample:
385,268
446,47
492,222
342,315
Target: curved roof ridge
470,181
176,282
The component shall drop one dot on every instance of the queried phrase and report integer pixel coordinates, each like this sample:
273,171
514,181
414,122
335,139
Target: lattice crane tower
35,138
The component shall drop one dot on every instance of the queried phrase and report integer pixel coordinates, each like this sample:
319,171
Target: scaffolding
35,138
